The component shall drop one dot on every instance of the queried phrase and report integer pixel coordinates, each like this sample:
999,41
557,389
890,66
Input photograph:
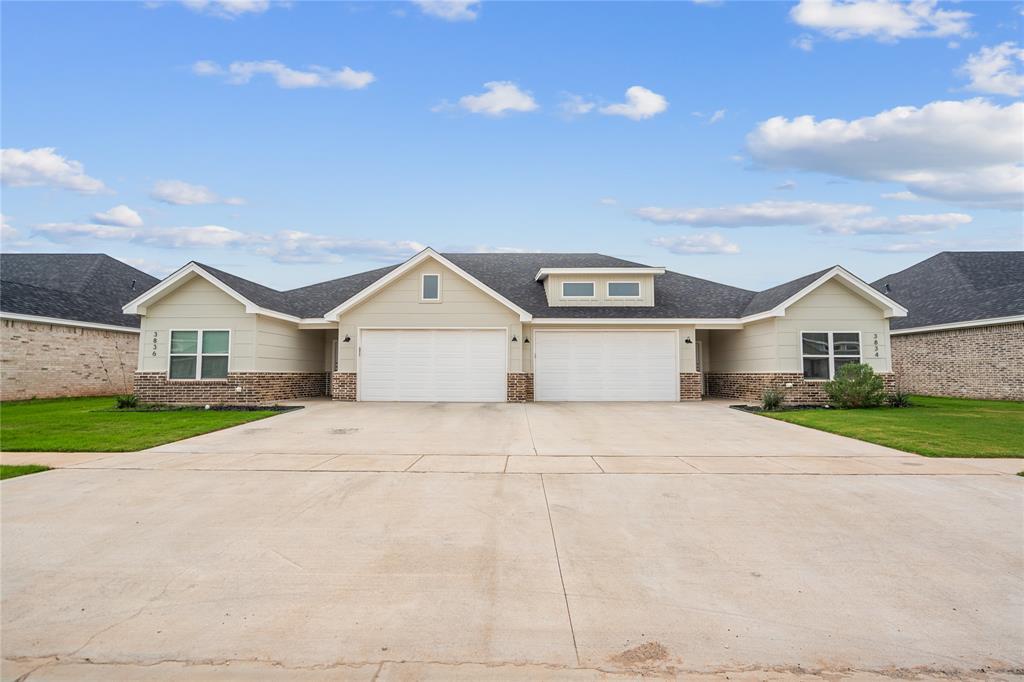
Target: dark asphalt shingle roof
958,286
769,298
83,287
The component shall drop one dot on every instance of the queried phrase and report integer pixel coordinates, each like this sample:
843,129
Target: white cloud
760,214
240,73
786,186
119,215
608,201
936,245
501,249
901,196
573,106
500,98
154,268
227,9
450,10
7,231
640,103
293,246
45,167
716,117
182,193
702,243
824,217
883,20
996,70
967,152
804,42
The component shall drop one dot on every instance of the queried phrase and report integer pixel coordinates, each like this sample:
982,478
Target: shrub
125,402
771,399
855,385
898,398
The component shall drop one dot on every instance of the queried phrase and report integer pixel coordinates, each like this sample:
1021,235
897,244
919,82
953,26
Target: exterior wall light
514,339
687,340
346,339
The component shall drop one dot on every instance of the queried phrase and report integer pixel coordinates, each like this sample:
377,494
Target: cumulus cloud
996,70
182,193
118,215
240,73
154,268
936,245
901,196
293,246
608,201
882,20
824,217
573,106
7,231
450,10
227,9
702,243
716,117
967,152
501,97
480,248
45,167
640,103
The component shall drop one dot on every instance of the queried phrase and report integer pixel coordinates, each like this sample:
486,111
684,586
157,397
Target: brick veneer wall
689,386
749,386
343,386
520,387
981,362
39,360
240,388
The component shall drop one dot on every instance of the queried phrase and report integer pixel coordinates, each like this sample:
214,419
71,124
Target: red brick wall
343,386
689,386
240,388
980,362
748,386
520,387
40,360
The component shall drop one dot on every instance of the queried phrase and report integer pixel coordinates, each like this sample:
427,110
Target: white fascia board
891,307
335,314
68,323
722,323
138,305
544,272
989,322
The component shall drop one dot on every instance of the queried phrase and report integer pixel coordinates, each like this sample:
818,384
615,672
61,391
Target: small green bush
855,385
898,398
127,402
771,399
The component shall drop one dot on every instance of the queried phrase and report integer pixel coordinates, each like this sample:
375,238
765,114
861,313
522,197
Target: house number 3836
155,337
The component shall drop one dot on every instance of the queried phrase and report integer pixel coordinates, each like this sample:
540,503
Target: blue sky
292,143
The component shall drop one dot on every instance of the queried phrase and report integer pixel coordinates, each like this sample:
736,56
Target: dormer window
577,289
430,288
623,289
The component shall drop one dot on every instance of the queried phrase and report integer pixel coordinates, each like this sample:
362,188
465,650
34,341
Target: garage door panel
432,365
606,365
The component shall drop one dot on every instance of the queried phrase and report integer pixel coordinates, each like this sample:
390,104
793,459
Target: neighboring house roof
955,287
511,278
77,287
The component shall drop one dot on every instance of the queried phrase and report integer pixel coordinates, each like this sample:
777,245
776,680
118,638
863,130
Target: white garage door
606,365
432,365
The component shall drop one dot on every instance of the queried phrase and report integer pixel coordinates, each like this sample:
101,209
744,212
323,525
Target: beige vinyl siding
196,304
751,349
282,347
833,307
398,305
553,287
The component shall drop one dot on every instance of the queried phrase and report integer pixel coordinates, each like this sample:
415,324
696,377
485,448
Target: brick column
520,387
343,386
689,386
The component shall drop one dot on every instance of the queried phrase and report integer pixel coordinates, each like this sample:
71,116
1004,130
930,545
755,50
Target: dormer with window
607,287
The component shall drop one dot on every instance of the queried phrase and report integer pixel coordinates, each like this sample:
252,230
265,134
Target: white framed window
430,287
199,354
623,289
823,353
577,290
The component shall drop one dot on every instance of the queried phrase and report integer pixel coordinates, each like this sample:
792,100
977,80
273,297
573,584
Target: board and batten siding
398,305
773,345
553,289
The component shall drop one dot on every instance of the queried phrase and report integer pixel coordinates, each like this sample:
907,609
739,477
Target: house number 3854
155,337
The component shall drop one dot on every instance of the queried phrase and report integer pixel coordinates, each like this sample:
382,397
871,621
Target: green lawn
936,427
91,425
13,471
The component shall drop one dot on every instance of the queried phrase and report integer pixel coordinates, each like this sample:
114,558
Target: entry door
432,365
606,365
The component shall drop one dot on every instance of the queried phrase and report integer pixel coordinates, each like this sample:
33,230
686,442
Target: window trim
639,289
831,357
593,290
198,354
423,279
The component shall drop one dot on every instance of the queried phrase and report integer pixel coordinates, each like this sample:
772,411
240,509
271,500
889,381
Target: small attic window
577,289
430,288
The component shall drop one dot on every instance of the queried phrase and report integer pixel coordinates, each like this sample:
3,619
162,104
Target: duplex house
964,336
62,331
504,327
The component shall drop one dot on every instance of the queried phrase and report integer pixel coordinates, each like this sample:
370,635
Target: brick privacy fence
689,386
749,386
980,362
343,386
39,360
520,387
256,388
